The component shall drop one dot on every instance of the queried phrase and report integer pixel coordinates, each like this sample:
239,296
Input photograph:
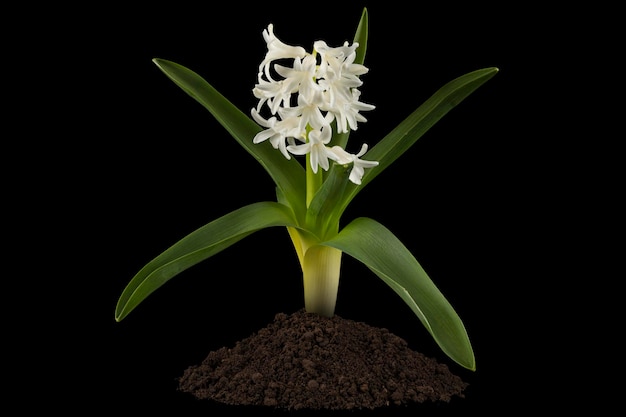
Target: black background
136,164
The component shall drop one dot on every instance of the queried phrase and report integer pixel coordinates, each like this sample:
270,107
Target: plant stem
321,269
321,266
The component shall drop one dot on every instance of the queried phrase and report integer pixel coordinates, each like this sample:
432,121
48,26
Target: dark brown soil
305,361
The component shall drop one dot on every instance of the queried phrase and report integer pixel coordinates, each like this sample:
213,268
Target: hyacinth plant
299,132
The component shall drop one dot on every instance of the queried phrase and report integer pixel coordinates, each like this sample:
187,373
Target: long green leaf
400,139
288,174
200,245
380,250
360,36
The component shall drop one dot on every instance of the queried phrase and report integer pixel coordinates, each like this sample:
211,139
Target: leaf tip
120,312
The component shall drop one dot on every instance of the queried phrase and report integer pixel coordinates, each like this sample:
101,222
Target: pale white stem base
321,269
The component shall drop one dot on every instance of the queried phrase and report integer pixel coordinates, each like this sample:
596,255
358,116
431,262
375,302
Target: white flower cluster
327,91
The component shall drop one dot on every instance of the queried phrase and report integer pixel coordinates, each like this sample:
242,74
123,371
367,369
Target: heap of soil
305,361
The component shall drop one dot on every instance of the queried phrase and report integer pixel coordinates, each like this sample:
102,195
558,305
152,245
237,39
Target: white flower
308,112
271,92
340,63
347,111
276,49
278,132
301,78
359,165
316,147
333,56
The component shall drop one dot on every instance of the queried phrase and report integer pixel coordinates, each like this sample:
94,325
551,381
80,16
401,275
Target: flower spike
325,92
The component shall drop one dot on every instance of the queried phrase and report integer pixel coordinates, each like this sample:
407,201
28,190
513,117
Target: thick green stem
321,269
321,265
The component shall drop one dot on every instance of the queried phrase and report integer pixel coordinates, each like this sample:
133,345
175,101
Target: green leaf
288,174
380,250
199,245
322,216
360,37
400,139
